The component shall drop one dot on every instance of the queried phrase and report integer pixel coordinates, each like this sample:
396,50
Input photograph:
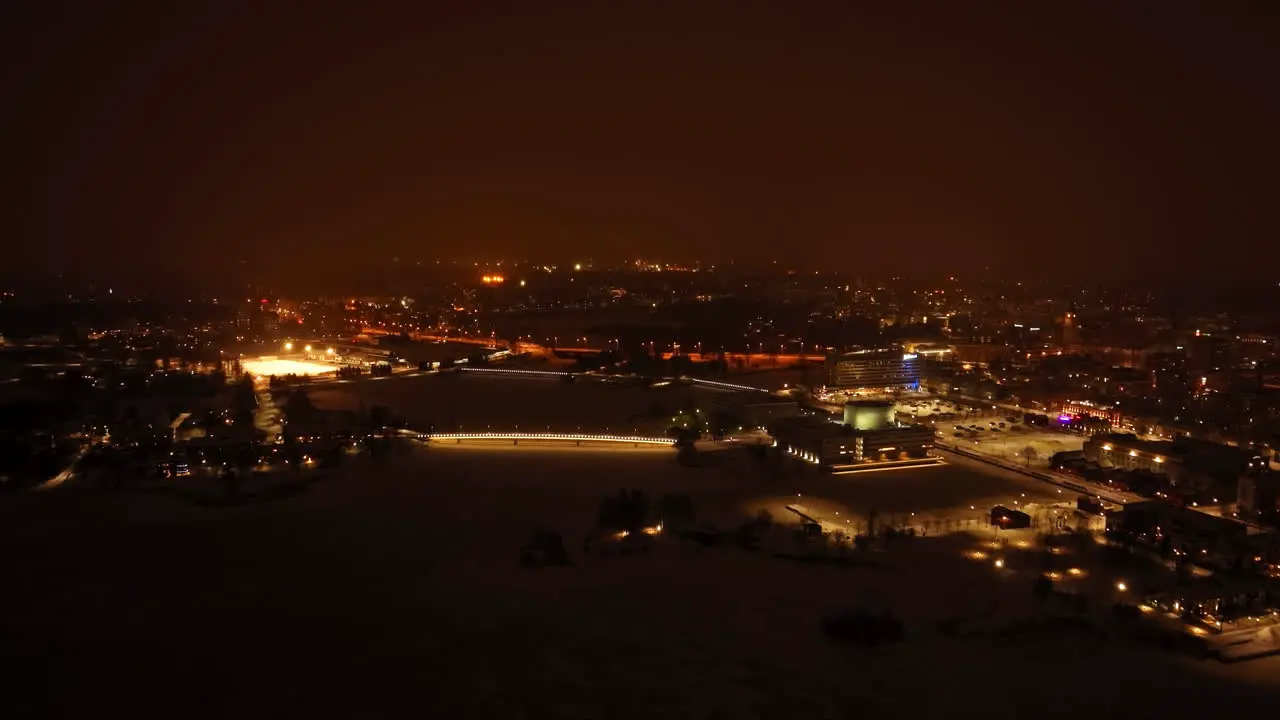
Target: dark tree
676,511
1043,588
298,404
628,510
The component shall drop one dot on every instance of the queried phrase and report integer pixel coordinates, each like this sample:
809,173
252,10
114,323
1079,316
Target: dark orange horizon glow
1080,139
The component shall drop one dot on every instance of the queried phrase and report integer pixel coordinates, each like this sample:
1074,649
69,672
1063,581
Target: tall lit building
872,369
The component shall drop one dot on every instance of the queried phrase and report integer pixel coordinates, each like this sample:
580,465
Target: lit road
1065,482
752,359
427,337
68,473
266,418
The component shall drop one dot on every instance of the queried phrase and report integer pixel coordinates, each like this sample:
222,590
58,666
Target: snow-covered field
1011,443
472,401
394,590
268,366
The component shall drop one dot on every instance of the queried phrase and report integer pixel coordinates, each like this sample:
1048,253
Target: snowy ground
270,365
924,408
1010,443
393,590
472,402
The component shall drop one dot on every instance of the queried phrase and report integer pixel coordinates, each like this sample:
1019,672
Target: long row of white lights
804,455
551,373
730,386
878,467
548,436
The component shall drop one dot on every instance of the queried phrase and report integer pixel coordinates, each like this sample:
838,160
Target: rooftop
1182,448
1201,522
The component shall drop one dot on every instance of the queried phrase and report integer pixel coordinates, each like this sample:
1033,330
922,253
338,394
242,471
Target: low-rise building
1187,463
1258,492
1085,408
1198,537
829,443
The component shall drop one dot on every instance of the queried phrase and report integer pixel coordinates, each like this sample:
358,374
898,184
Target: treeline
633,511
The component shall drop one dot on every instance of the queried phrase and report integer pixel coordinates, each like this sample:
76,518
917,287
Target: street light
288,346
307,348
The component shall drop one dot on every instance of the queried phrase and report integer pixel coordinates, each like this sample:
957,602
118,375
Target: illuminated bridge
725,385
543,437
558,374
511,371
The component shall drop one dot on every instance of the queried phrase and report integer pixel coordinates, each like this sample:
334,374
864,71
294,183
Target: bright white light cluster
265,367
803,455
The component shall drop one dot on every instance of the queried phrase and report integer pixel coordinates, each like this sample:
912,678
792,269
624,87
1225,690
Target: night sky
1046,137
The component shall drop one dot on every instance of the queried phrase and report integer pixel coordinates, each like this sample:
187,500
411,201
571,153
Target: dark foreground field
394,591
473,401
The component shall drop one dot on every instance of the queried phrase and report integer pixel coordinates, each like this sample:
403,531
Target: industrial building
868,434
877,369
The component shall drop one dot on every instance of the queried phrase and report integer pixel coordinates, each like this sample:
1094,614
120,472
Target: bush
676,510
625,511
544,548
1042,588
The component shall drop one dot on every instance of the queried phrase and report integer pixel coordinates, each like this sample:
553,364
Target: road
996,408
266,417
1073,483
1064,482
67,473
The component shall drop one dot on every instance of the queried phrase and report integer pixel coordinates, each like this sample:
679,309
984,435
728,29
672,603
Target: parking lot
1014,441
931,408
